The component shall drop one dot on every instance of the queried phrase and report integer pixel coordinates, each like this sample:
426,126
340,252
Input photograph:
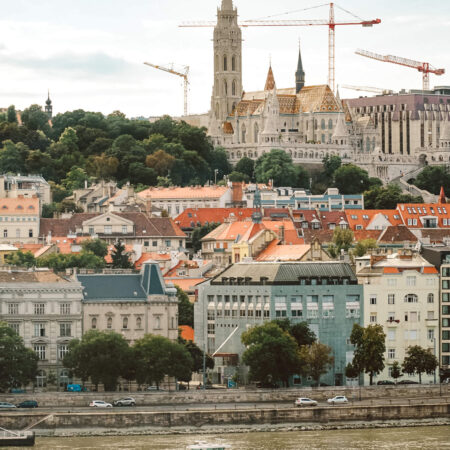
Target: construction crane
169,68
367,89
331,23
424,67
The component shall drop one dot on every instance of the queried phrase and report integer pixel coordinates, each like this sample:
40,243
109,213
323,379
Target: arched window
138,322
109,322
157,322
63,378
244,131
233,88
225,63
256,133
373,143
430,298
233,63
41,378
322,124
94,323
125,323
330,124
411,298
217,110
367,144
225,87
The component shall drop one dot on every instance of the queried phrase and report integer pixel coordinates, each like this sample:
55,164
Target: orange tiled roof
390,270
33,248
364,217
185,284
186,332
154,256
291,236
175,192
428,269
192,217
413,212
360,235
277,252
20,206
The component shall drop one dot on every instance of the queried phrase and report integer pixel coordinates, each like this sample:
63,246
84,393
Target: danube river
384,438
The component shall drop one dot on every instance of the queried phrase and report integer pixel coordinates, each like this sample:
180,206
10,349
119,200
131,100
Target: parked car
337,400
6,405
408,382
28,404
100,404
303,401
126,401
384,382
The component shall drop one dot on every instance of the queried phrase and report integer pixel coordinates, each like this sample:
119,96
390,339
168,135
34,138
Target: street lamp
215,175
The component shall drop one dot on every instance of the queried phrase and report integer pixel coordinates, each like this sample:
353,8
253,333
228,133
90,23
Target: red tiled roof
390,270
363,217
277,252
360,235
192,217
20,206
154,256
399,233
185,284
430,270
413,212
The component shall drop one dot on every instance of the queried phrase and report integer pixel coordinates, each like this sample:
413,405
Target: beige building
130,304
45,310
28,186
401,293
19,220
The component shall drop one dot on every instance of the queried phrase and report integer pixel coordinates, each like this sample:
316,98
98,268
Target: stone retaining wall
69,399
198,419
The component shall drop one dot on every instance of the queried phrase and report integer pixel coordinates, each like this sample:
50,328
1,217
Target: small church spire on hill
300,74
270,80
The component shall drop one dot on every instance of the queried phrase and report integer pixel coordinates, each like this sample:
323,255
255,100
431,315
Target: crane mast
169,69
367,89
424,67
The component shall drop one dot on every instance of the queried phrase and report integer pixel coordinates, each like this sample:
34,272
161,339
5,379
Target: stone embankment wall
116,420
63,399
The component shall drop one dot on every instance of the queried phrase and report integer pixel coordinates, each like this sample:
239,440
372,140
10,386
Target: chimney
148,207
236,189
376,258
281,234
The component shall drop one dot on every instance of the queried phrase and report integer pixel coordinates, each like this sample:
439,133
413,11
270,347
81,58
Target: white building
401,293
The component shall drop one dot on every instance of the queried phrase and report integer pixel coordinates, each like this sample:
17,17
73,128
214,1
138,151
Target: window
391,316
40,351
297,313
373,299
312,314
391,353
13,308
91,231
430,334
64,309
413,316
280,313
157,323
411,298
154,243
15,327
446,335
65,329
373,318
211,328
430,298
410,281
63,349
391,335
94,323
445,310
168,243
39,309
41,378
391,299
109,322
430,315
5,233
312,299
328,299
445,284
124,229
138,323
445,323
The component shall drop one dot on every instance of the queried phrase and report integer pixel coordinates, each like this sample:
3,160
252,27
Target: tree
351,371
418,361
200,232
330,165
299,331
350,179
432,178
11,114
246,166
161,162
272,354
316,360
120,260
21,259
18,364
363,246
396,371
219,162
342,240
60,261
75,179
34,118
12,158
96,246
369,351
197,356
100,356
388,197
276,165
238,177
185,309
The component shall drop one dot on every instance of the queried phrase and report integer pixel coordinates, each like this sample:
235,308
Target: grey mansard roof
285,273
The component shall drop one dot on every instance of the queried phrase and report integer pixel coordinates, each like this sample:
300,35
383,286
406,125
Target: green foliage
351,371
219,161
387,197
350,179
419,360
277,165
35,119
12,157
330,165
272,354
18,364
161,162
396,371
11,114
96,246
120,260
102,356
316,360
432,178
185,309
238,177
197,356
342,240
200,232
60,262
246,166
299,331
363,246
369,351
21,259
75,179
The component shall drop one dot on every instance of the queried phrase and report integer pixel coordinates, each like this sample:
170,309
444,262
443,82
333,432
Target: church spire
227,5
48,106
270,80
300,74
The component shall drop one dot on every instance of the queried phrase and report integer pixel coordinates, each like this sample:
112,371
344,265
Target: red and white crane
331,23
424,67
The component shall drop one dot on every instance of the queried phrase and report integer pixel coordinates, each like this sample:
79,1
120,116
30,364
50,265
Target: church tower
227,89
300,74
48,106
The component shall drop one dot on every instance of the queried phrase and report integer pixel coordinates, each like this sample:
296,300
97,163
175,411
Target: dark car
207,386
383,382
266,385
408,382
28,404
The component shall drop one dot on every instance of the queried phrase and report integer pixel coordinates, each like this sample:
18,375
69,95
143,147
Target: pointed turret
227,5
442,198
48,106
270,80
300,74
340,133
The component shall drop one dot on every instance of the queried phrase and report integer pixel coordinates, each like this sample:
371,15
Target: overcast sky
90,53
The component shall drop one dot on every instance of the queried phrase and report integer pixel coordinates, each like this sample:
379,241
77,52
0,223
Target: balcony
392,322
219,250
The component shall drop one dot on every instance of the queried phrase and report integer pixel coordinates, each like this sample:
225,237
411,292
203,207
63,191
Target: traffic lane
225,406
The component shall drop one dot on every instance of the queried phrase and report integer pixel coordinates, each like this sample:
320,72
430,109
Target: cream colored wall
381,287
17,229
116,223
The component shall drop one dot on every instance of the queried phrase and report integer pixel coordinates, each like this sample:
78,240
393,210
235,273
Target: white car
338,399
100,404
303,401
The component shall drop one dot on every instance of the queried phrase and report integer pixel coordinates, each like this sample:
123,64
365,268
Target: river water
430,437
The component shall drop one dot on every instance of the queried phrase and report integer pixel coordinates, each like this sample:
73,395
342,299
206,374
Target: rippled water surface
387,438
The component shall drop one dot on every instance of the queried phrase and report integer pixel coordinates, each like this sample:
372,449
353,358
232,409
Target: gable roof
192,217
413,214
278,252
397,234
364,217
